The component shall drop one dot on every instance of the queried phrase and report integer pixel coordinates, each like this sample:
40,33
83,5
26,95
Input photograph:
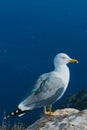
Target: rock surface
65,119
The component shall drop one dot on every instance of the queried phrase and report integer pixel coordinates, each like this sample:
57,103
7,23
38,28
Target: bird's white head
63,59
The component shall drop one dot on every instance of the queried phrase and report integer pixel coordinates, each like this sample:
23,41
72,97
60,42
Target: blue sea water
32,32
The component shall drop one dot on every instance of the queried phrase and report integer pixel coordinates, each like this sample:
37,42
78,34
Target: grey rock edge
65,119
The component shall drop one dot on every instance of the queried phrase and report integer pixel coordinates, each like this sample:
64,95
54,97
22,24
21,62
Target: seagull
48,89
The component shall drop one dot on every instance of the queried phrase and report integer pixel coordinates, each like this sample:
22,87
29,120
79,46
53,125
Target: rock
66,119
78,100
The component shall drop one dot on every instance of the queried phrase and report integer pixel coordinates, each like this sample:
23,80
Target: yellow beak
74,61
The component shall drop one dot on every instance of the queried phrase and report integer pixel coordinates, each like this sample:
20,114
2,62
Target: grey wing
39,82
46,91
49,87
28,102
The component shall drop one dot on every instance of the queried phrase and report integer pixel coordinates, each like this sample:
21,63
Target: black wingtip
17,111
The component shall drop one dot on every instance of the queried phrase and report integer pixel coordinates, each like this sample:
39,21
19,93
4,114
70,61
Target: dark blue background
32,32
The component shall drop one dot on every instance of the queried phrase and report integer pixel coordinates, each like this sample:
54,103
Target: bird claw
50,113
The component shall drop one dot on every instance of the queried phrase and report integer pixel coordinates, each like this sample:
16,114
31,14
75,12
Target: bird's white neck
63,71
60,68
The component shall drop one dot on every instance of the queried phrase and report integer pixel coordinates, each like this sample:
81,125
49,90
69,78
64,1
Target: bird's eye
63,57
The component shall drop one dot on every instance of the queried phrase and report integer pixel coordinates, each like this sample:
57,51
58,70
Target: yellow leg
45,112
50,108
50,113
44,109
